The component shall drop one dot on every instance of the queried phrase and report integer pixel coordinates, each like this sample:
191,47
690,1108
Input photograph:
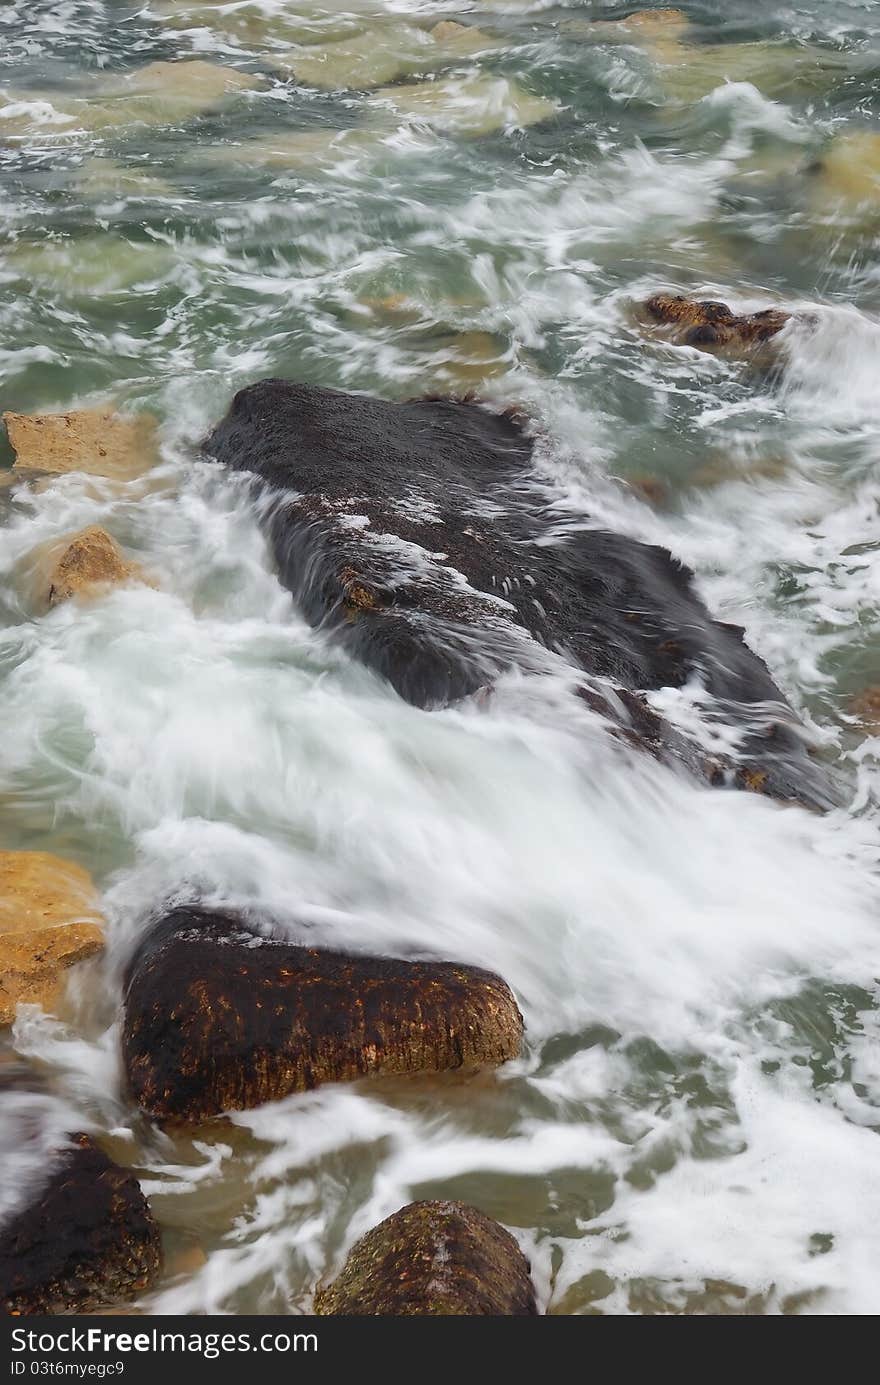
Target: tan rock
48,921
96,441
82,565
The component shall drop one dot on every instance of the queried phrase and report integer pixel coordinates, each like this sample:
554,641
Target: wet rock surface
82,565
432,1259
96,441
48,921
712,325
219,1018
414,532
88,1239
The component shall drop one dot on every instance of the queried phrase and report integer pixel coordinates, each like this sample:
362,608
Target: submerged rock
48,921
160,93
432,1259
82,565
412,532
89,1238
382,53
90,266
471,105
866,706
714,326
688,71
847,176
96,441
220,1018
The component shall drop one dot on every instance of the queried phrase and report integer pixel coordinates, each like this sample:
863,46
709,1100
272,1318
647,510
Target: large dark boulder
88,1238
432,1259
221,1018
416,533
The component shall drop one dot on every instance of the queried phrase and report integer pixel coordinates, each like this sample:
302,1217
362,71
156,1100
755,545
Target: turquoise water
357,203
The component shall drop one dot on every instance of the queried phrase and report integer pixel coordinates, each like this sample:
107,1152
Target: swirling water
692,1125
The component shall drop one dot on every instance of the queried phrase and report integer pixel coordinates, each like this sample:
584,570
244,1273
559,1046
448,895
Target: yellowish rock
96,441
48,921
83,565
472,105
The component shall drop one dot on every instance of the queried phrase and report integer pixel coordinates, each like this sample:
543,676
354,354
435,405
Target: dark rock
416,534
432,1259
219,1018
88,1240
714,325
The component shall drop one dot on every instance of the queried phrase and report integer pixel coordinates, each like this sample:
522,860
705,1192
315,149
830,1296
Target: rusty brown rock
432,1259
82,565
89,1239
219,1018
96,441
711,325
48,921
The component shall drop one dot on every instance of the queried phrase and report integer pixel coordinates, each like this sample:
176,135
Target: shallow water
691,1127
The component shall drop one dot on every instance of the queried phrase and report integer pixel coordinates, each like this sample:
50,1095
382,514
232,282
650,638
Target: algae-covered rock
412,532
96,441
49,920
82,565
714,326
88,1238
219,1018
432,1259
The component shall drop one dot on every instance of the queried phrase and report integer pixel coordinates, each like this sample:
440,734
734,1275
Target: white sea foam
697,1099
